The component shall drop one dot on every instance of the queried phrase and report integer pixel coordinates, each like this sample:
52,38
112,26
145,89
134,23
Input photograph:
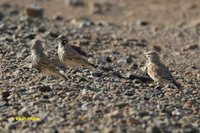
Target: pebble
153,129
34,10
45,88
75,2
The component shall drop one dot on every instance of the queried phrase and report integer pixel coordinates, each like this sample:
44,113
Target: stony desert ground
117,97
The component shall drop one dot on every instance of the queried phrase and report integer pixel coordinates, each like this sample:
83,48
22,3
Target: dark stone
107,69
5,94
1,16
143,113
153,129
45,89
97,74
128,59
107,59
34,10
29,35
144,79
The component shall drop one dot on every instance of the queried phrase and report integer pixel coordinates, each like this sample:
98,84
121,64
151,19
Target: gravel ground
117,97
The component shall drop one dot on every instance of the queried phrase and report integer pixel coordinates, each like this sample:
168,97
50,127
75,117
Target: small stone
147,96
191,47
153,129
5,94
142,23
95,8
34,10
1,16
75,2
107,69
97,74
132,121
107,59
142,114
144,79
121,104
118,74
187,104
45,88
128,59
54,34
29,35
137,81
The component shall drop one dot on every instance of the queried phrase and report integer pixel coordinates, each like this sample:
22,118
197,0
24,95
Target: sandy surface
118,96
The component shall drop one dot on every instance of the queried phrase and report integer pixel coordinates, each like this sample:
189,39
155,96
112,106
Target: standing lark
158,71
69,56
41,62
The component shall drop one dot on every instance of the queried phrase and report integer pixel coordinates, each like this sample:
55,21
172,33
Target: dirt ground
118,96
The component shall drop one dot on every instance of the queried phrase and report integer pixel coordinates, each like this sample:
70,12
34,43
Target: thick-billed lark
69,56
41,62
158,71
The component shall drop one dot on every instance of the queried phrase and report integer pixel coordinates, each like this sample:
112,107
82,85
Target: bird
70,57
158,71
41,62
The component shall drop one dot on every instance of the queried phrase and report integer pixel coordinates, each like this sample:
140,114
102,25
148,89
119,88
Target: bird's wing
71,54
164,73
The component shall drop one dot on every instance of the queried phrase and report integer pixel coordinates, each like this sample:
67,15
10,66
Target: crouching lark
41,62
69,56
158,71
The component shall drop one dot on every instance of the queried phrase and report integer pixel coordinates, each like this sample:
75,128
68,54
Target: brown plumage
158,71
41,62
69,56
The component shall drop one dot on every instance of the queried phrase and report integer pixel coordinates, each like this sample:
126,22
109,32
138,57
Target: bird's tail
178,85
90,66
63,77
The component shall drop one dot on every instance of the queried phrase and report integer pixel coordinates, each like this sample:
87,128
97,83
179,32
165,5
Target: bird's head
36,45
152,56
62,40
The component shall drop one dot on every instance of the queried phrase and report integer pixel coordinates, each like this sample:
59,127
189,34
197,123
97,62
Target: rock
95,8
191,47
107,69
153,129
75,2
34,10
117,74
1,16
107,59
144,79
128,59
54,34
97,74
45,88
142,114
5,94
142,23
135,66
121,104
147,96
132,121
29,35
